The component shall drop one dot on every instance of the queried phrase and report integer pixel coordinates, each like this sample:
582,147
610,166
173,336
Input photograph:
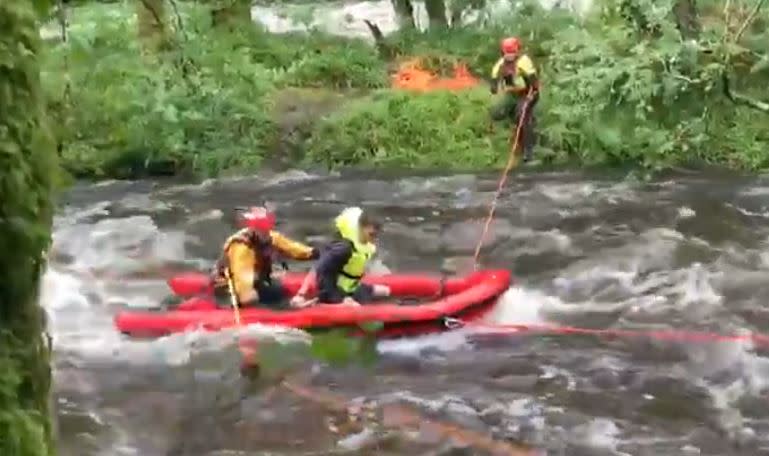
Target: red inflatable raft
467,297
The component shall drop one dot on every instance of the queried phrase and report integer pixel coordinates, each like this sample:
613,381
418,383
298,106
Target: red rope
511,162
667,335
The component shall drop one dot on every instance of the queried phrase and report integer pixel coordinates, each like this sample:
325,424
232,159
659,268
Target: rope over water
512,161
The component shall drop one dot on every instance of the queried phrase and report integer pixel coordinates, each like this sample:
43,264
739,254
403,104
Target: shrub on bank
130,112
316,59
403,129
202,103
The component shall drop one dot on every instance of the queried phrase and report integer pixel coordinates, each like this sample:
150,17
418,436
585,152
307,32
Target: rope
511,162
665,335
233,296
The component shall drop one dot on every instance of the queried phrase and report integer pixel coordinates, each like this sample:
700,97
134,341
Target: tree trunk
152,23
436,12
231,13
687,18
404,11
28,171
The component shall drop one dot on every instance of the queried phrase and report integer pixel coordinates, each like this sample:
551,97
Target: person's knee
380,290
331,297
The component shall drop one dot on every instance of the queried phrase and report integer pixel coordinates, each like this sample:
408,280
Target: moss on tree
27,174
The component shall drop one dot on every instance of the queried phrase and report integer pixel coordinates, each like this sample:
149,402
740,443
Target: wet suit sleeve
328,268
242,260
293,249
494,80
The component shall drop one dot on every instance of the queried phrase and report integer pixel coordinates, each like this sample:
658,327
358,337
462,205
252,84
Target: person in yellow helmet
516,75
343,263
245,267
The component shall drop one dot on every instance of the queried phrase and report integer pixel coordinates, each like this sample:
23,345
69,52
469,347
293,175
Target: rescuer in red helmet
245,267
515,75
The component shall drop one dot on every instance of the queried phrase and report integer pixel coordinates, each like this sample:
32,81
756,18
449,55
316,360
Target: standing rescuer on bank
515,75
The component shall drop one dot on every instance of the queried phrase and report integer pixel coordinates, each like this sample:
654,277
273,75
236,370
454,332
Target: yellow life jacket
259,243
510,74
348,225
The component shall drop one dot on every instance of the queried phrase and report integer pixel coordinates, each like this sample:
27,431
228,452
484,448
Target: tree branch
385,51
152,10
749,20
742,99
179,22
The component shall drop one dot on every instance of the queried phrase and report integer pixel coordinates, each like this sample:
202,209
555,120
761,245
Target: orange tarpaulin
411,76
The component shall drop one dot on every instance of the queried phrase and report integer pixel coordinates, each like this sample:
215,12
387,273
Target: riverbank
208,100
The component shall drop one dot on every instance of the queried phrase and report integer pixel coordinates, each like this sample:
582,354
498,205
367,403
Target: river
687,251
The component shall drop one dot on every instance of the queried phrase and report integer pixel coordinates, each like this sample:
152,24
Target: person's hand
278,274
299,302
530,96
350,302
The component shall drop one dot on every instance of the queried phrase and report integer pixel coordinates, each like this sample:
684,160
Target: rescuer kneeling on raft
245,267
515,74
343,262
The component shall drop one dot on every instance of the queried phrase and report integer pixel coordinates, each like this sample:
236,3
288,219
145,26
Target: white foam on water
443,342
519,305
516,306
346,18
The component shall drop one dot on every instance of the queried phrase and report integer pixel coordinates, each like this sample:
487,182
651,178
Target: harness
260,243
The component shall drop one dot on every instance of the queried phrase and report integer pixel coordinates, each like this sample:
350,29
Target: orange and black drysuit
247,258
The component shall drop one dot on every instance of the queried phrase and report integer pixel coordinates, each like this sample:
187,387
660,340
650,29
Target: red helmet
258,218
510,45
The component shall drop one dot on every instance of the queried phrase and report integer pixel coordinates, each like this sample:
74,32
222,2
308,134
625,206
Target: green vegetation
333,347
28,170
627,84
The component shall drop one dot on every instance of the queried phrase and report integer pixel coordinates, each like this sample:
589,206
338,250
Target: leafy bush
132,111
402,129
316,59
202,104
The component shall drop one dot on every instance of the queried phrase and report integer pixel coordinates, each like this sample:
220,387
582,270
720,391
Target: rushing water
685,252
346,17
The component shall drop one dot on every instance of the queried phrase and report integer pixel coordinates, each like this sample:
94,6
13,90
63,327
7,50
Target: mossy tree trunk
28,170
152,23
436,12
404,11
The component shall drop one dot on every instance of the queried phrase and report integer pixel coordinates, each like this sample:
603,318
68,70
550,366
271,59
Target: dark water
682,252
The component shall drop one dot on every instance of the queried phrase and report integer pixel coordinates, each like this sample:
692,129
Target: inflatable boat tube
467,297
